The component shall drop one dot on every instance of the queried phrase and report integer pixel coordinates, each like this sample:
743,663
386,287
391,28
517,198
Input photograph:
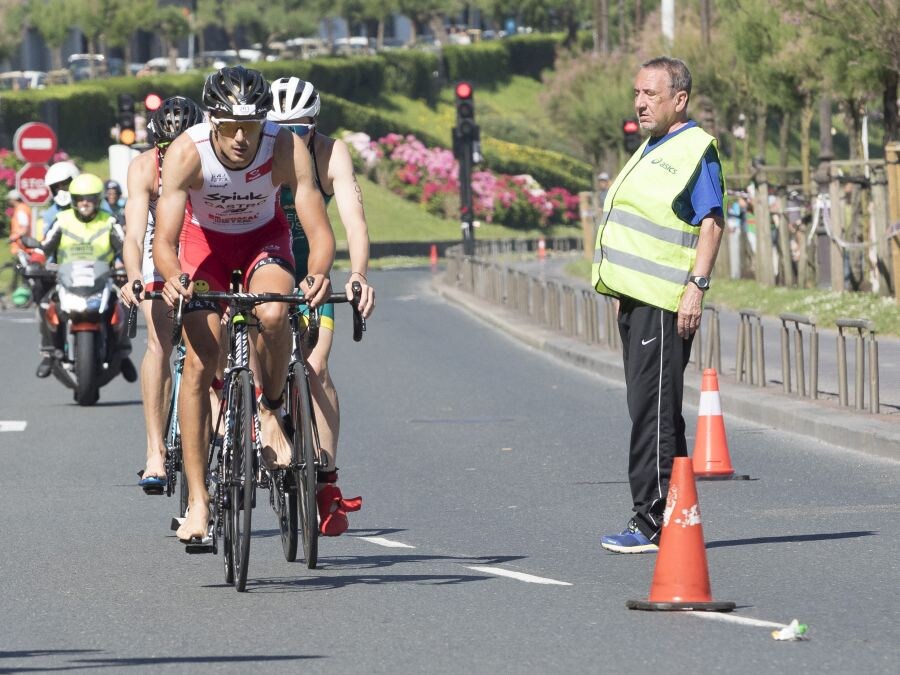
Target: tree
12,17
172,25
45,16
128,17
588,96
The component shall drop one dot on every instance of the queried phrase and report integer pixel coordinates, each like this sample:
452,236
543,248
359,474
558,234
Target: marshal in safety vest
85,241
644,250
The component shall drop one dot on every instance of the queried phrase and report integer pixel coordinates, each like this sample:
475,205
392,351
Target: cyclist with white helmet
296,105
218,212
175,115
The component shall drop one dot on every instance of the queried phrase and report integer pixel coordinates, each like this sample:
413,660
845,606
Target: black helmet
113,185
176,114
237,93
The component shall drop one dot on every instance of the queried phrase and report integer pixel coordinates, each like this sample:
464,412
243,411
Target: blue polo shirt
703,195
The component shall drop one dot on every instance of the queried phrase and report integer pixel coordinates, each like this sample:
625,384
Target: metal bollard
797,320
750,347
874,396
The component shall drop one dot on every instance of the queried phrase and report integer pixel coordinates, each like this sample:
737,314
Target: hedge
486,63
531,54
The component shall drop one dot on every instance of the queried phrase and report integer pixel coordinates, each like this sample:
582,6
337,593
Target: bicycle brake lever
359,323
137,288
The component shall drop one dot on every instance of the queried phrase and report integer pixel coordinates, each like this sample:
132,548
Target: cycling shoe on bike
276,449
333,510
44,367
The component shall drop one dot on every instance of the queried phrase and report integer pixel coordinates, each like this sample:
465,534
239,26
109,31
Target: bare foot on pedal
196,523
276,448
156,465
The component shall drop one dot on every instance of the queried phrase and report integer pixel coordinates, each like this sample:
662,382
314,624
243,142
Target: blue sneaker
632,540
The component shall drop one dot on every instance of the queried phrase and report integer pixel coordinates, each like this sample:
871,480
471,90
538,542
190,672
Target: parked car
23,79
215,59
80,65
303,48
354,46
161,64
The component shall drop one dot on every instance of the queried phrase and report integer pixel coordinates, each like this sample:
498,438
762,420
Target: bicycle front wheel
242,474
305,454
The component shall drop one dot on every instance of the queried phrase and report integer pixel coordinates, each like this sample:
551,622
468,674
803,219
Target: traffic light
127,134
152,102
465,111
631,131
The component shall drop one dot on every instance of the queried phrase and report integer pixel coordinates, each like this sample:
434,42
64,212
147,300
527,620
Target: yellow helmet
86,185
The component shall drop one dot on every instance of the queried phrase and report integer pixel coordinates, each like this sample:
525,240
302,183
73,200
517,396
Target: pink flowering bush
429,176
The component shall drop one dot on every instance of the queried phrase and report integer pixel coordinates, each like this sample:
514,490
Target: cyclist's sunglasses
230,128
301,129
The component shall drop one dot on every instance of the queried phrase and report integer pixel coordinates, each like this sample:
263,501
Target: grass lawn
825,305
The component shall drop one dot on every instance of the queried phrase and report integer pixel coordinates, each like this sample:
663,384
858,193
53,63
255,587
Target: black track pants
655,358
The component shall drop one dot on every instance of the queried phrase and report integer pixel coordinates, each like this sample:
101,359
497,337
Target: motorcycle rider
83,232
175,115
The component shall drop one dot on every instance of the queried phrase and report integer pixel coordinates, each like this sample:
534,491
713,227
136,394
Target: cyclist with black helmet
220,201
144,184
296,105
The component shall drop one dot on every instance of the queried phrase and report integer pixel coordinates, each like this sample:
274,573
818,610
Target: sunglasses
230,128
301,129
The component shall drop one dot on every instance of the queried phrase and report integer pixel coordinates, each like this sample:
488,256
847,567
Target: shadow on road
333,583
824,536
83,664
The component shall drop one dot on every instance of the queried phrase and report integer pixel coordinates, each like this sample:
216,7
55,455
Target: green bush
358,78
531,54
484,63
411,73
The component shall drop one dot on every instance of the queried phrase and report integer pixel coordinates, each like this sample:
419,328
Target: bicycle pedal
203,546
176,523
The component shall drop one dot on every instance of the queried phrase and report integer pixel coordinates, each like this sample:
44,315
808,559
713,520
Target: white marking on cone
710,403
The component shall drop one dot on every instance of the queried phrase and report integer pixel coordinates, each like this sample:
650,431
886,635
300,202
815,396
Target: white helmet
60,173
293,98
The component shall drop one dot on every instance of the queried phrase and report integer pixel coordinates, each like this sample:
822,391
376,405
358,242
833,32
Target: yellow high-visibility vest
644,250
85,241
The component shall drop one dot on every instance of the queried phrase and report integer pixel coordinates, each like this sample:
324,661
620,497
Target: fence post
836,214
879,230
892,158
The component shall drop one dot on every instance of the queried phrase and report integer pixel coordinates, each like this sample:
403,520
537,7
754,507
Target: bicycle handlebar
249,300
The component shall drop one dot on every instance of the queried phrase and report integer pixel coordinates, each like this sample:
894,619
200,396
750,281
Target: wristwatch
700,282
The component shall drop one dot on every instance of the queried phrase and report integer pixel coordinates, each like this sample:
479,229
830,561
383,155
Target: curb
821,421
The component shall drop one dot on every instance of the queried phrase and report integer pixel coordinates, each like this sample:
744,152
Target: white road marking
381,541
519,576
13,425
743,620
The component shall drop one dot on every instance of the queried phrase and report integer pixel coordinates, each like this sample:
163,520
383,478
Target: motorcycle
88,324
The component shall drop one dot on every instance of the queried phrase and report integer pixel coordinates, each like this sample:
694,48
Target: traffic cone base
681,576
711,458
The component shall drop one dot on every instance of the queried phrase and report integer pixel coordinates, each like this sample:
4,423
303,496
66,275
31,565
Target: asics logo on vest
665,165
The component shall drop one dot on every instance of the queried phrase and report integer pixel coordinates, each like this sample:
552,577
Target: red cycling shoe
333,510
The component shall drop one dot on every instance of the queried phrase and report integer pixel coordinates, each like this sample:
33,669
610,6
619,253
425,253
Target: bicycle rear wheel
306,454
241,484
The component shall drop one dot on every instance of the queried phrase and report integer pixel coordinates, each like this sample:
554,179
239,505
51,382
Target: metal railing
861,326
794,321
750,349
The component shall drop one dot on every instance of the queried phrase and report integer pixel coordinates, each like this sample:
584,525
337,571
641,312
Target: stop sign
30,184
35,142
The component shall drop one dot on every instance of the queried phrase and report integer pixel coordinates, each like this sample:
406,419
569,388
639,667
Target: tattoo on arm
357,188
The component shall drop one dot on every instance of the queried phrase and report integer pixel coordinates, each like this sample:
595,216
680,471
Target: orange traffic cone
681,576
433,256
711,459
542,248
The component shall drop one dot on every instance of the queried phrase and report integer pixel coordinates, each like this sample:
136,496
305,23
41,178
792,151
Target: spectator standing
655,251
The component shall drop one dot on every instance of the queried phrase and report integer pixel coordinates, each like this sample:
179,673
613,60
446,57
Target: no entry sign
30,184
35,142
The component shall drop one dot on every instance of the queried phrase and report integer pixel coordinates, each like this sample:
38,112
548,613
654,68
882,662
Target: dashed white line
13,425
519,576
731,618
381,541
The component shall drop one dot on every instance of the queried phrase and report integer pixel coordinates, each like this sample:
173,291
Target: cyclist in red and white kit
144,182
230,168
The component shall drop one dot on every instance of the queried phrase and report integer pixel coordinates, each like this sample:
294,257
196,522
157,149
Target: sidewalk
823,420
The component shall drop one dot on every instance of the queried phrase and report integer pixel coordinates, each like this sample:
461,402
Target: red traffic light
152,101
630,127
464,90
